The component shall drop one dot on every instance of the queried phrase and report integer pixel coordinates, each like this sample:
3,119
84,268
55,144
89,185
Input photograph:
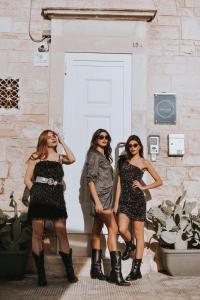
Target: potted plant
15,237
177,229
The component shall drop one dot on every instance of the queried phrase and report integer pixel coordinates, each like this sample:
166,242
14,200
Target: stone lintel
146,15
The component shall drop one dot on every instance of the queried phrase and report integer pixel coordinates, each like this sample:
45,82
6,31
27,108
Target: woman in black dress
100,182
44,179
130,203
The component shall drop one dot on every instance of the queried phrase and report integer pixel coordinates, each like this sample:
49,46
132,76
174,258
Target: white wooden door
97,95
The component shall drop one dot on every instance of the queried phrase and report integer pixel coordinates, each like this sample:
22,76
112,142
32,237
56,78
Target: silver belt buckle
51,181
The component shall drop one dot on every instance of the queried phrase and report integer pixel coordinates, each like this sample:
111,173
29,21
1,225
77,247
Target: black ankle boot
116,274
39,262
67,260
129,248
96,271
135,270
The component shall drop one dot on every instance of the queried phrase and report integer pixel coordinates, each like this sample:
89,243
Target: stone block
3,144
165,32
20,27
4,167
193,65
192,3
3,64
187,50
185,11
15,154
192,188
2,186
5,24
160,83
175,68
190,28
17,170
166,8
194,173
185,83
176,175
32,131
169,20
20,56
191,160
197,12
39,108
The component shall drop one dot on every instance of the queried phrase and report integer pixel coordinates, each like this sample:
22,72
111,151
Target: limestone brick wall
174,67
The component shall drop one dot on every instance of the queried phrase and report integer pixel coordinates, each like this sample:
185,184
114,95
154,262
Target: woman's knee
122,229
60,229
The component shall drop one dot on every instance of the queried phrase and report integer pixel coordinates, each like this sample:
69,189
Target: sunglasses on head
102,137
135,145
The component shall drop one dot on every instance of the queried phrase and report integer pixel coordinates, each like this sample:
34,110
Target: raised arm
68,157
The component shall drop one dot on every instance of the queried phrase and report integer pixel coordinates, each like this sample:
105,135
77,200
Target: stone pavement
152,286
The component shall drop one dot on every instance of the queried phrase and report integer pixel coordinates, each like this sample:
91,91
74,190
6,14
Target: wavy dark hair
137,139
94,143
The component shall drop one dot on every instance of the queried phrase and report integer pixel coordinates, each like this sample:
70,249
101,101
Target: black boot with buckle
130,247
116,274
67,260
39,262
135,270
96,271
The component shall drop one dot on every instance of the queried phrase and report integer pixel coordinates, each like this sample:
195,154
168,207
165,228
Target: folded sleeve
92,167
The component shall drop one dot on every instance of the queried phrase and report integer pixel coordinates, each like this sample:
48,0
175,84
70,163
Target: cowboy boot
39,262
116,274
135,270
67,260
96,271
129,248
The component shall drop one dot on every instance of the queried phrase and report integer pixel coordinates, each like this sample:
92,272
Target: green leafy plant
175,224
15,232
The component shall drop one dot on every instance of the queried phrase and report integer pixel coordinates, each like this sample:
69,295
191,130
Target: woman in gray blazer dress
100,182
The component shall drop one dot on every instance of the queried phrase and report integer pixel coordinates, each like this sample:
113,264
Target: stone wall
174,67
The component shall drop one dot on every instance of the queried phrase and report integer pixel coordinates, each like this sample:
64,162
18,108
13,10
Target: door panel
97,95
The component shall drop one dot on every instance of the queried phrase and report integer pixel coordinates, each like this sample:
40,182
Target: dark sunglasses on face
102,137
132,145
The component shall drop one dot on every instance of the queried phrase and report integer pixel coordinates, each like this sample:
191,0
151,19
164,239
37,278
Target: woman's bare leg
37,235
123,224
61,232
138,229
96,233
108,219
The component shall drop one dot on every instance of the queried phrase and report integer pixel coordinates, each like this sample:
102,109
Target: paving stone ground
152,286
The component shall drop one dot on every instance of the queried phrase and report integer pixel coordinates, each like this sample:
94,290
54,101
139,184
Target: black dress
47,201
132,201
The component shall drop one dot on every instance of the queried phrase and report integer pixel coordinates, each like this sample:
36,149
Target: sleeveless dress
132,200
47,201
100,171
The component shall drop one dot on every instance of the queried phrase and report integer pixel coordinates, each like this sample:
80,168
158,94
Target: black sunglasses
133,145
102,137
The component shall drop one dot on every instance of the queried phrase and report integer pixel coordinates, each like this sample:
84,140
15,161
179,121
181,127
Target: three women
47,201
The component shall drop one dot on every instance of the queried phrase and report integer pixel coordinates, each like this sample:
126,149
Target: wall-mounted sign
165,108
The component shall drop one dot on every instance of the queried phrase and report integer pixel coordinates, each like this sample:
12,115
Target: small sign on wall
165,108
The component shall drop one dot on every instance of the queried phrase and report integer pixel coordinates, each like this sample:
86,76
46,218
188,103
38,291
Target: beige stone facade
166,55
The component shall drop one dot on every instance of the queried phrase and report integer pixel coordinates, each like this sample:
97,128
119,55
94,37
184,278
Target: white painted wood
97,95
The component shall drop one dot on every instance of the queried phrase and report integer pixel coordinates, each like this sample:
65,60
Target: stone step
55,268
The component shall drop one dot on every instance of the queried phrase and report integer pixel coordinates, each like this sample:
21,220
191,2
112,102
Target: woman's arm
117,195
95,197
157,180
29,173
67,158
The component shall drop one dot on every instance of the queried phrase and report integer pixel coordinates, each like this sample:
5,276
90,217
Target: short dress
100,171
132,201
47,201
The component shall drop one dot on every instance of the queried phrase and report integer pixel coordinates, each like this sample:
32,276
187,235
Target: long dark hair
94,143
137,139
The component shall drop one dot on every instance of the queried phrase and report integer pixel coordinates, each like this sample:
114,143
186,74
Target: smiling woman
47,199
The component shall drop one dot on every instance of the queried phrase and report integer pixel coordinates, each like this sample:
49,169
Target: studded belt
49,181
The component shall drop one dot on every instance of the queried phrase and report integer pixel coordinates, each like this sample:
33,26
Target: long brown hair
137,139
42,149
94,143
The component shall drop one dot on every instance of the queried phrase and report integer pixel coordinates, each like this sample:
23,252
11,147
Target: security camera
43,48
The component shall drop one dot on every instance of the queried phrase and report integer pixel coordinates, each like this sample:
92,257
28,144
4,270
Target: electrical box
176,145
153,143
